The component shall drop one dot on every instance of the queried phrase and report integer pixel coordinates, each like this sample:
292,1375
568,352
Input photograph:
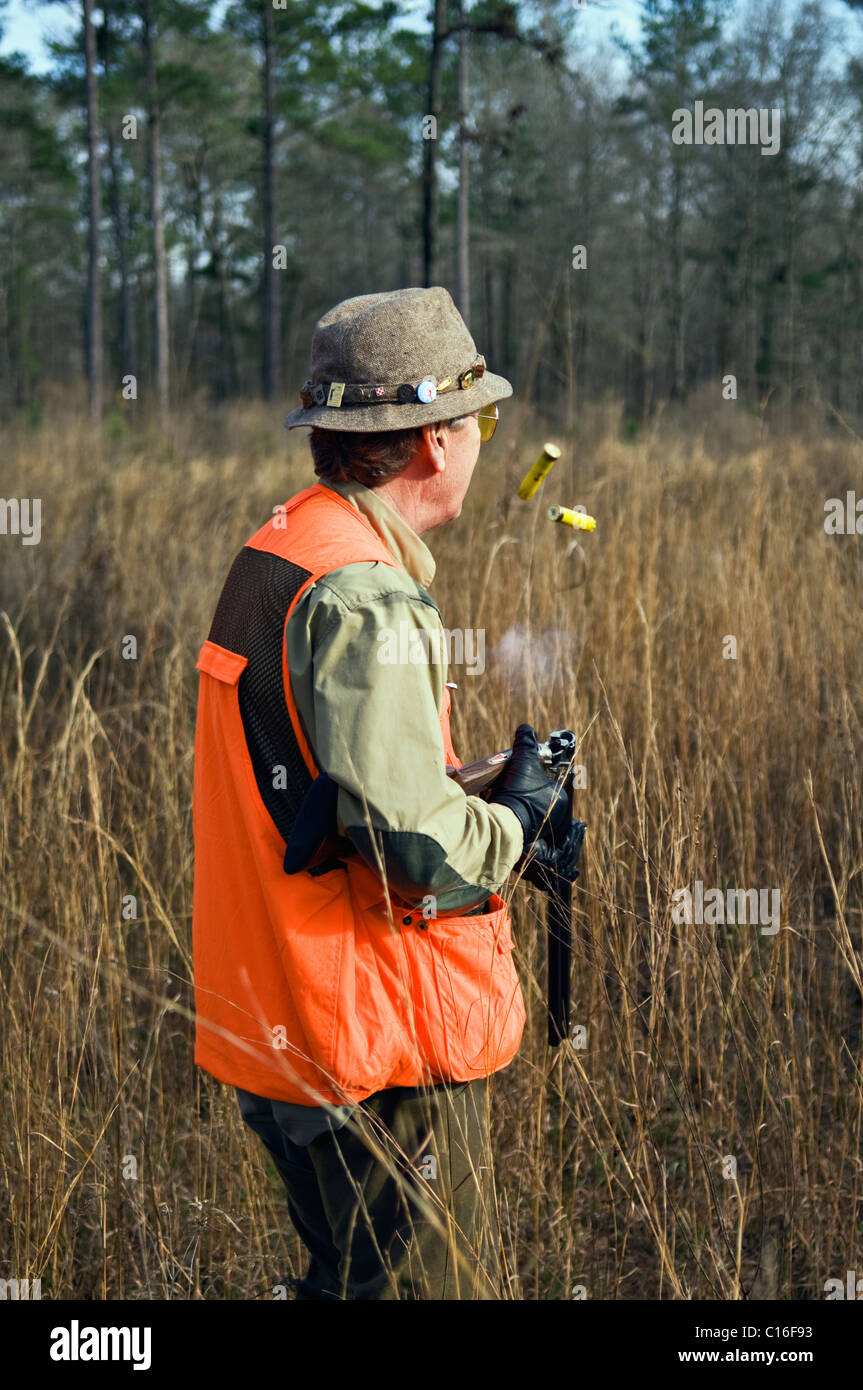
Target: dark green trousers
397,1204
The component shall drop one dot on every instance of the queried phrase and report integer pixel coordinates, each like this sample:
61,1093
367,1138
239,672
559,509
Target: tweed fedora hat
394,361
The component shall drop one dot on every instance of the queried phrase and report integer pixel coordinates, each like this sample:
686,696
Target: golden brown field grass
702,1041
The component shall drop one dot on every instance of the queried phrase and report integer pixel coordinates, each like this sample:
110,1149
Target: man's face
431,489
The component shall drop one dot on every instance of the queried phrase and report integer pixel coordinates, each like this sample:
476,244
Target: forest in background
189,187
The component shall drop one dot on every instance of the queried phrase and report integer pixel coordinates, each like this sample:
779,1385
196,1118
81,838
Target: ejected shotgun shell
543,466
568,517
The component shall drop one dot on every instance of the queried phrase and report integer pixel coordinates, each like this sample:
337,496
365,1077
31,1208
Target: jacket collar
407,548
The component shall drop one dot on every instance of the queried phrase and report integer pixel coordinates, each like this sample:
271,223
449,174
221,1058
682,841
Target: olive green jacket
373,723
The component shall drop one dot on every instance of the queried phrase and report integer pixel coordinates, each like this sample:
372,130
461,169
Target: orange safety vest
312,987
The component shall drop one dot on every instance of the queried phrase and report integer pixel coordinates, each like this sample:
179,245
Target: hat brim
368,419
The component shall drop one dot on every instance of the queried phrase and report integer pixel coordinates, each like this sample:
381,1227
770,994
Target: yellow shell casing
567,516
543,466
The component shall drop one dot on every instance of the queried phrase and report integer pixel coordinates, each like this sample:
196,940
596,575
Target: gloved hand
544,863
538,799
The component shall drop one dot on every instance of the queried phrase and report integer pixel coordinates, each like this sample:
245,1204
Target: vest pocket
392,1004
217,661
480,1018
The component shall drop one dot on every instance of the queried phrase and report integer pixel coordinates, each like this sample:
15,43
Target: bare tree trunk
766,360
120,220
160,264
195,284
790,325
838,391
635,391
430,188
121,236
94,188
675,246
844,397
291,354
271,287
226,383
463,259
750,291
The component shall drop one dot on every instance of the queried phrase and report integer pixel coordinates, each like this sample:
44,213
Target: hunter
354,978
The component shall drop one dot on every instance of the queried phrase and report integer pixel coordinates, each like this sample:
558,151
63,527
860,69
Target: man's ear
435,440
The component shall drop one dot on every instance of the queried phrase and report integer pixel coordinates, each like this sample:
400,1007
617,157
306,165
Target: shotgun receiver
476,777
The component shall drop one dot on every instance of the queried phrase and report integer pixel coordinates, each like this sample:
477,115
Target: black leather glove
539,800
543,864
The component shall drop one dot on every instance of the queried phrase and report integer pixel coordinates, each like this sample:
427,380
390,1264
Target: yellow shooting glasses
487,419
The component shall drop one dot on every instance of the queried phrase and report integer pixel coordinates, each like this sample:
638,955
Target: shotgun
556,754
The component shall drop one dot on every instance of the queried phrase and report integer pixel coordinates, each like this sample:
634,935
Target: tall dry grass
702,1042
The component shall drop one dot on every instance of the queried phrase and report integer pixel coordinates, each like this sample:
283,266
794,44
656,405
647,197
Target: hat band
341,393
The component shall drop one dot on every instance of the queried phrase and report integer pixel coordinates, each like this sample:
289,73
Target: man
353,968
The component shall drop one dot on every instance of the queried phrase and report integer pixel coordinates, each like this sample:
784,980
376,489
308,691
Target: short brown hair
371,459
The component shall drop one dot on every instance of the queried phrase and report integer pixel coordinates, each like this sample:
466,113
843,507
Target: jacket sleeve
372,719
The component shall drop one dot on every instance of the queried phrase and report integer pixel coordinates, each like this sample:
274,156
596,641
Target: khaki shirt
374,723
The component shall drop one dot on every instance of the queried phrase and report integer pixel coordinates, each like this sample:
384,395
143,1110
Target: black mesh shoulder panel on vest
250,620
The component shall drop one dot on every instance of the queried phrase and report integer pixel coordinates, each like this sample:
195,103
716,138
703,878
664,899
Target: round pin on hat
427,390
